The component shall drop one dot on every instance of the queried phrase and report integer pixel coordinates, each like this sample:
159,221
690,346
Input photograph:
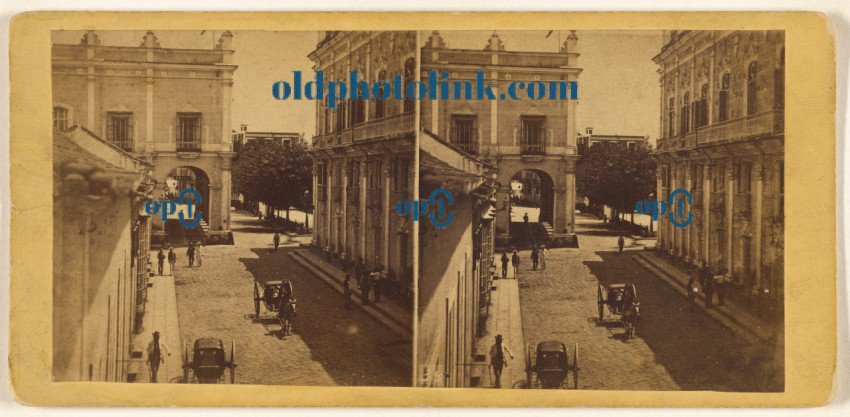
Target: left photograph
224,214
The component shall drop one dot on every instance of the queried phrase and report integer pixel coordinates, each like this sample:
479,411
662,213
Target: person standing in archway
172,259
190,252
515,263
505,261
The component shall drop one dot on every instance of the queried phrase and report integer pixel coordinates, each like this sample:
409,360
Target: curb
721,316
376,312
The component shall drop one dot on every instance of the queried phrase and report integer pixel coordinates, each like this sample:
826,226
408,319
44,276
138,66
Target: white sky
618,86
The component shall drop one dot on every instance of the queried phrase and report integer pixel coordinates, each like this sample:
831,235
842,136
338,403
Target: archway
532,193
184,177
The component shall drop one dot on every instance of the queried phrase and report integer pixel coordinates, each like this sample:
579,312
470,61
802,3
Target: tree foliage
616,175
273,173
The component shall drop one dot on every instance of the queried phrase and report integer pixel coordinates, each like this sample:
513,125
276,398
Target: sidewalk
732,314
389,312
161,316
505,319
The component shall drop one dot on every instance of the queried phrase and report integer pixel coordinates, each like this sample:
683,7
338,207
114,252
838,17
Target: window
743,177
702,107
696,177
380,105
533,135
358,107
119,129
402,180
717,180
320,174
60,118
409,77
779,82
189,132
671,117
341,116
375,174
752,87
723,114
686,111
463,133
353,173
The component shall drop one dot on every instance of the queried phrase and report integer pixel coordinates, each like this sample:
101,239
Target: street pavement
675,348
329,346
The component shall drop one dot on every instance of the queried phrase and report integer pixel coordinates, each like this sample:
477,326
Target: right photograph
604,210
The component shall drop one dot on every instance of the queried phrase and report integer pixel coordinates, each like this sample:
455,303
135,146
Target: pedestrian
535,257
544,253
346,290
515,263
505,261
155,350
276,240
359,273
190,252
721,280
708,288
525,219
199,252
365,287
377,279
497,359
692,286
621,243
160,258
172,259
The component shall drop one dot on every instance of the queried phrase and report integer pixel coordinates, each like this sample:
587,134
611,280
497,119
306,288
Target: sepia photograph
627,237
206,230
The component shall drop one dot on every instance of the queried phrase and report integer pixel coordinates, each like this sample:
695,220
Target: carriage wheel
528,370
600,302
186,363
256,300
575,366
232,363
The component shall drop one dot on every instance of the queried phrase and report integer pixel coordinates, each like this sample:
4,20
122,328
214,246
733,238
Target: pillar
559,211
343,201
706,211
674,244
659,191
571,197
149,140
225,192
215,206
730,212
687,243
385,214
315,198
757,219
362,227
329,169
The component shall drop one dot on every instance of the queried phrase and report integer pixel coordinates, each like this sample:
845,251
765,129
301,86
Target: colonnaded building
363,156
722,138
477,148
167,106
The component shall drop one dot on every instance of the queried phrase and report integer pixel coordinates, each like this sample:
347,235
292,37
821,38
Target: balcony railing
765,123
533,149
188,146
387,127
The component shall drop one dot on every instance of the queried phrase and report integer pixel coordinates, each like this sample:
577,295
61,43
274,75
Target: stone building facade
513,135
363,158
722,138
167,106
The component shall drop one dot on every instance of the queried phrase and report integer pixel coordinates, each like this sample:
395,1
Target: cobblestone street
329,346
674,348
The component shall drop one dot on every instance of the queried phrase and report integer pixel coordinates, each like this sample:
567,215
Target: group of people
711,284
195,252
539,254
367,282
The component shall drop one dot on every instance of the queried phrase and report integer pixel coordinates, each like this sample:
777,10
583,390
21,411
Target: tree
616,175
273,173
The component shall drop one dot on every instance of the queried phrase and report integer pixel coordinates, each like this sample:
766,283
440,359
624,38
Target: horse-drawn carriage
621,301
208,361
277,297
551,365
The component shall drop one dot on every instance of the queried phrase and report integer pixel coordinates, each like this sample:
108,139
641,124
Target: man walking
515,263
543,254
365,287
720,282
346,290
535,256
155,358
377,278
621,243
497,359
276,240
160,258
199,252
190,252
708,286
505,261
692,286
172,259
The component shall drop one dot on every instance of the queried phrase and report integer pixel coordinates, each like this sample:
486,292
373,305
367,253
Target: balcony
188,145
769,122
397,125
533,148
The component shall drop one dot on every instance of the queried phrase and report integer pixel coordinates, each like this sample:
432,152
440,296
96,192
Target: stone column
659,187
730,213
315,198
706,211
385,214
559,214
343,201
687,243
674,174
329,206
225,192
757,221
215,206
149,139
363,226
571,196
